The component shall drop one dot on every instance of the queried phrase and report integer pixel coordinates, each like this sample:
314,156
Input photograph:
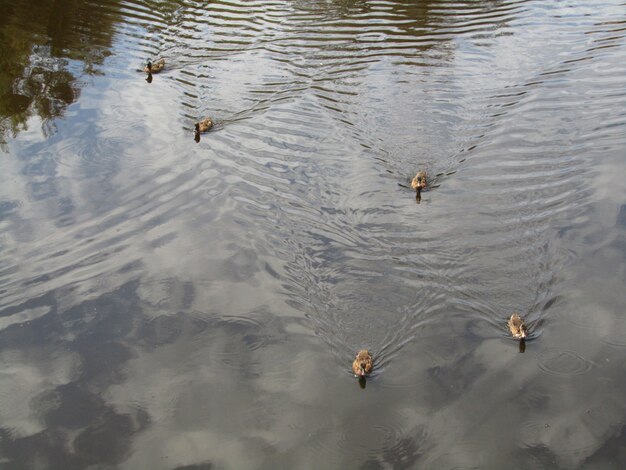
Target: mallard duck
517,326
154,67
362,363
204,125
419,181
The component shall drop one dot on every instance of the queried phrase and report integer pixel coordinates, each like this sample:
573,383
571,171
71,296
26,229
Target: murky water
172,304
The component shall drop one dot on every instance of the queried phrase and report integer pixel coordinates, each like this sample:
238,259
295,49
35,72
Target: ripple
409,379
563,363
616,336
22,317
250,330
369,439
451,458
380,437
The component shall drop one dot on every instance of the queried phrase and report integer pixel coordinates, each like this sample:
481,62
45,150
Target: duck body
204,125
517,327
155,67
419,181
363,363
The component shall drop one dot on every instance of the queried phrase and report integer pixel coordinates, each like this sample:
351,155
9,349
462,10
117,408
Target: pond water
167,303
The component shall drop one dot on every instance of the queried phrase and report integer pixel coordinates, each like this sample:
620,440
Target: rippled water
172,304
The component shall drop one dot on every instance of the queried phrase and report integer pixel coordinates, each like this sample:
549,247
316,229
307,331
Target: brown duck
204,125
419,181
517,327
363,363
154,67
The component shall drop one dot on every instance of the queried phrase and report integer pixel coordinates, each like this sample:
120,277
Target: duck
517,327
154,67
419,181
363,363
204,125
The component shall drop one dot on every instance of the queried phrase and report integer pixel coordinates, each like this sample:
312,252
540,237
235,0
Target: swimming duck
517,327
419,181
204,125
362,363
154,67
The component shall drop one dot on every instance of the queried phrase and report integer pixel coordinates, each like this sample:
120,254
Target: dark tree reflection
46,47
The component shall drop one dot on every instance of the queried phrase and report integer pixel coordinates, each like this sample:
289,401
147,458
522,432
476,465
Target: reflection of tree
416,18
46,45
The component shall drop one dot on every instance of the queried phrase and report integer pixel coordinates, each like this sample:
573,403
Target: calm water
171,304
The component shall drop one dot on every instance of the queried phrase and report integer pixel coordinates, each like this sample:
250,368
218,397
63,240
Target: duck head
523,332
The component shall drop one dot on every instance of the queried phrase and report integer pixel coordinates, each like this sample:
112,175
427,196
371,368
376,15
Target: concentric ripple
563,362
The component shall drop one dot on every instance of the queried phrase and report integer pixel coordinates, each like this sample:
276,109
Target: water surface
172,304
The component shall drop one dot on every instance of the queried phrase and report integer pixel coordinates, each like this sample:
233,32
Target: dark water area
167,303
